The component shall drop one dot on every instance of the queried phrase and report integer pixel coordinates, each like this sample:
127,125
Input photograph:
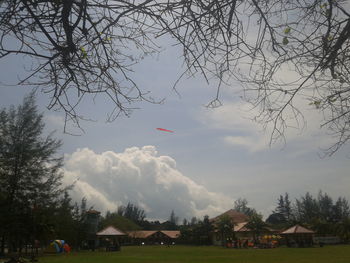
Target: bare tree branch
88,47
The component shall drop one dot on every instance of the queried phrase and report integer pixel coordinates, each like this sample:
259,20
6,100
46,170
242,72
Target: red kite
161,129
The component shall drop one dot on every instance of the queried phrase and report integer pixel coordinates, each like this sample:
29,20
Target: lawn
183,254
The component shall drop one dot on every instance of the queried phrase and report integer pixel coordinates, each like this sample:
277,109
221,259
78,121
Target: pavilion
298,236
110,238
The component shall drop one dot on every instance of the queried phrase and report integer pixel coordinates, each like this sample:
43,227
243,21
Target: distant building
240,229
236,217
298,236
238,220
92,220
153,237
110,238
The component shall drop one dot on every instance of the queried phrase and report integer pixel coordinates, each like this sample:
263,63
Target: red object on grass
161,129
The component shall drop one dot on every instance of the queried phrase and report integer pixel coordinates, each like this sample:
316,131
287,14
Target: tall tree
30,179
225,226
206,231
341,210
307,209
283,212
88,47
321,214
173,218
326,206
172,223
194,221
198,233
64,224
241,205
256,225
132,212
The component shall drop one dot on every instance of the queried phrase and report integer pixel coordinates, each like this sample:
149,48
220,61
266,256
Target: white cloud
235,119
252,143
54,120
142,177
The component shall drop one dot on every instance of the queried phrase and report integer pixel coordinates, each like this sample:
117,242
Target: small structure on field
110,238
298,236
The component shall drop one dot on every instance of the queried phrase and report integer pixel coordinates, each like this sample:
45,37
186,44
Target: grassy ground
183,254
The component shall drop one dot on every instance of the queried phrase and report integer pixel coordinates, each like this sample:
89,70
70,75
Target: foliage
256,225
194,220
198,233
152,225
30,179
282,215
70,222
309,208
118,221
225,226
276,219
343,229
132,212
206,229
241,205
88,47
64,226
321,213
173,220
341,210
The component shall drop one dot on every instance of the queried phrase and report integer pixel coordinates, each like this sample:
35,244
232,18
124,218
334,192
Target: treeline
196,231
132,217
321,213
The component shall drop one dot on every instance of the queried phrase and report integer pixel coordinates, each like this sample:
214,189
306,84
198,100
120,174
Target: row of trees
308,208
196,231
132,217
320,213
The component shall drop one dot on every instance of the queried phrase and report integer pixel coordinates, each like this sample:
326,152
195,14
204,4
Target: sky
214,156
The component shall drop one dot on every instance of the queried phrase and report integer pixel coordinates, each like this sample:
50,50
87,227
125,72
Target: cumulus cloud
142,177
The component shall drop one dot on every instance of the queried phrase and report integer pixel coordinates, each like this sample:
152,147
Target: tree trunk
2,248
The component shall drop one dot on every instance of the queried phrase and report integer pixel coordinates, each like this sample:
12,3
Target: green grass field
183,254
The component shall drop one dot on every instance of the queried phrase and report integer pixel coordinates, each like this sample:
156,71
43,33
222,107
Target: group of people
238,243
245,243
